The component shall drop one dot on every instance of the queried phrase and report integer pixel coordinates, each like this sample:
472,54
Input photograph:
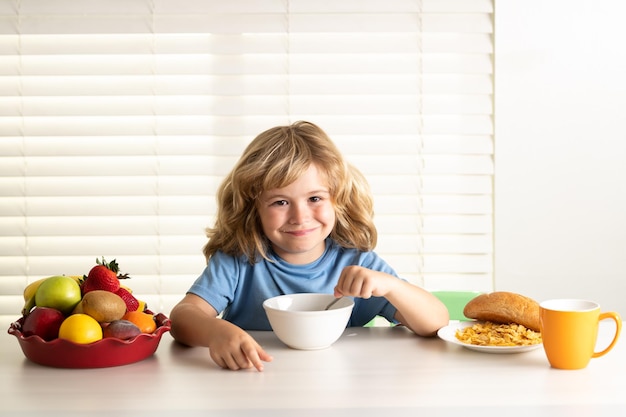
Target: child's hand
235,349
195,323
357,281
416,308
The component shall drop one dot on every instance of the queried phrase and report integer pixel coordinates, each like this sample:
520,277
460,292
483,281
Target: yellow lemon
81,329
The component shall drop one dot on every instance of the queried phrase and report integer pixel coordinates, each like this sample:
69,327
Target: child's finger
255,355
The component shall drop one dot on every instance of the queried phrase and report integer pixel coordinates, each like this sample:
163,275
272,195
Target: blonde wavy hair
275,159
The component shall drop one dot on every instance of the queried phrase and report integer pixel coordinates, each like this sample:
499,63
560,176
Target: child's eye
315,199
280,203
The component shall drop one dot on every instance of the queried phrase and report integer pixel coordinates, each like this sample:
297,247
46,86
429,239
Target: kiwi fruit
104,306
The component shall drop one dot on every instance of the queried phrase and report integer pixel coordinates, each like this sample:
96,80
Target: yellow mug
569,330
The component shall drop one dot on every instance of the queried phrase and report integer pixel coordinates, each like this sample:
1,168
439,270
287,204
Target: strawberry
103,276
132,304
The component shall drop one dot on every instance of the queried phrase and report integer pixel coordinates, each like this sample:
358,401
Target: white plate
448,334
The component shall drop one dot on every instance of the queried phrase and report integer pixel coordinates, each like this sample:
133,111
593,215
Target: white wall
560,149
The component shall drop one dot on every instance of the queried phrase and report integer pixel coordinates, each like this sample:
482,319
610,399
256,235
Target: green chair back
455,301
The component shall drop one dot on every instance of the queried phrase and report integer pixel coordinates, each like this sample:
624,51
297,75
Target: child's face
298,218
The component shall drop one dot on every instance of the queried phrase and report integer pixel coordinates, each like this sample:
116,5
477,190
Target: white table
368,372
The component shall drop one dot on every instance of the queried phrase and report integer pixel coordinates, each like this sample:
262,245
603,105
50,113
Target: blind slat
228,85
182,44
185,105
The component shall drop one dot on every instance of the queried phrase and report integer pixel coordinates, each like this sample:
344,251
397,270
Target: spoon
332,303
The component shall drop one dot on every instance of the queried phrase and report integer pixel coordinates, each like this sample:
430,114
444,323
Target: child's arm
195,323
418,309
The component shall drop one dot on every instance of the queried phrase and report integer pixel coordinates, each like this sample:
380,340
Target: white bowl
300,321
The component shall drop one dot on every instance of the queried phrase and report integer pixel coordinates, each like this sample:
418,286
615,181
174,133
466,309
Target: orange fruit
144,321
81,329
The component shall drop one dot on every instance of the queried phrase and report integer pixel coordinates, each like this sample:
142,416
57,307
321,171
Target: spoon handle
332,303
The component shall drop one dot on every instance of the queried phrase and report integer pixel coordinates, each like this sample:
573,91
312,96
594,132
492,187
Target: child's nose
299,213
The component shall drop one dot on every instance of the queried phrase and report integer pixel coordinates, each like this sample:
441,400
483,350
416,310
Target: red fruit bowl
104,353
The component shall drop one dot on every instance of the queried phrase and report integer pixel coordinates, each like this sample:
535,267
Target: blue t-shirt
237,288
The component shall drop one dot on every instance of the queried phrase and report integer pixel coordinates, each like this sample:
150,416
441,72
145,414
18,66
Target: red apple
43,322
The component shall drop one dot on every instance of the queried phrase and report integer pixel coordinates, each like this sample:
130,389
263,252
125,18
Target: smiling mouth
299,232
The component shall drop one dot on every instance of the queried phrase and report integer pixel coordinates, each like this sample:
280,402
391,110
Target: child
292,217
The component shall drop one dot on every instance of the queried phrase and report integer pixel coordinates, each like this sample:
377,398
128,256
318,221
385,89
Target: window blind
118,120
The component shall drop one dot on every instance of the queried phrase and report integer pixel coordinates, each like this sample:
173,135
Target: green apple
59,292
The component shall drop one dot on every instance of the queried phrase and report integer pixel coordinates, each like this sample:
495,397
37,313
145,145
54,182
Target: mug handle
618,328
